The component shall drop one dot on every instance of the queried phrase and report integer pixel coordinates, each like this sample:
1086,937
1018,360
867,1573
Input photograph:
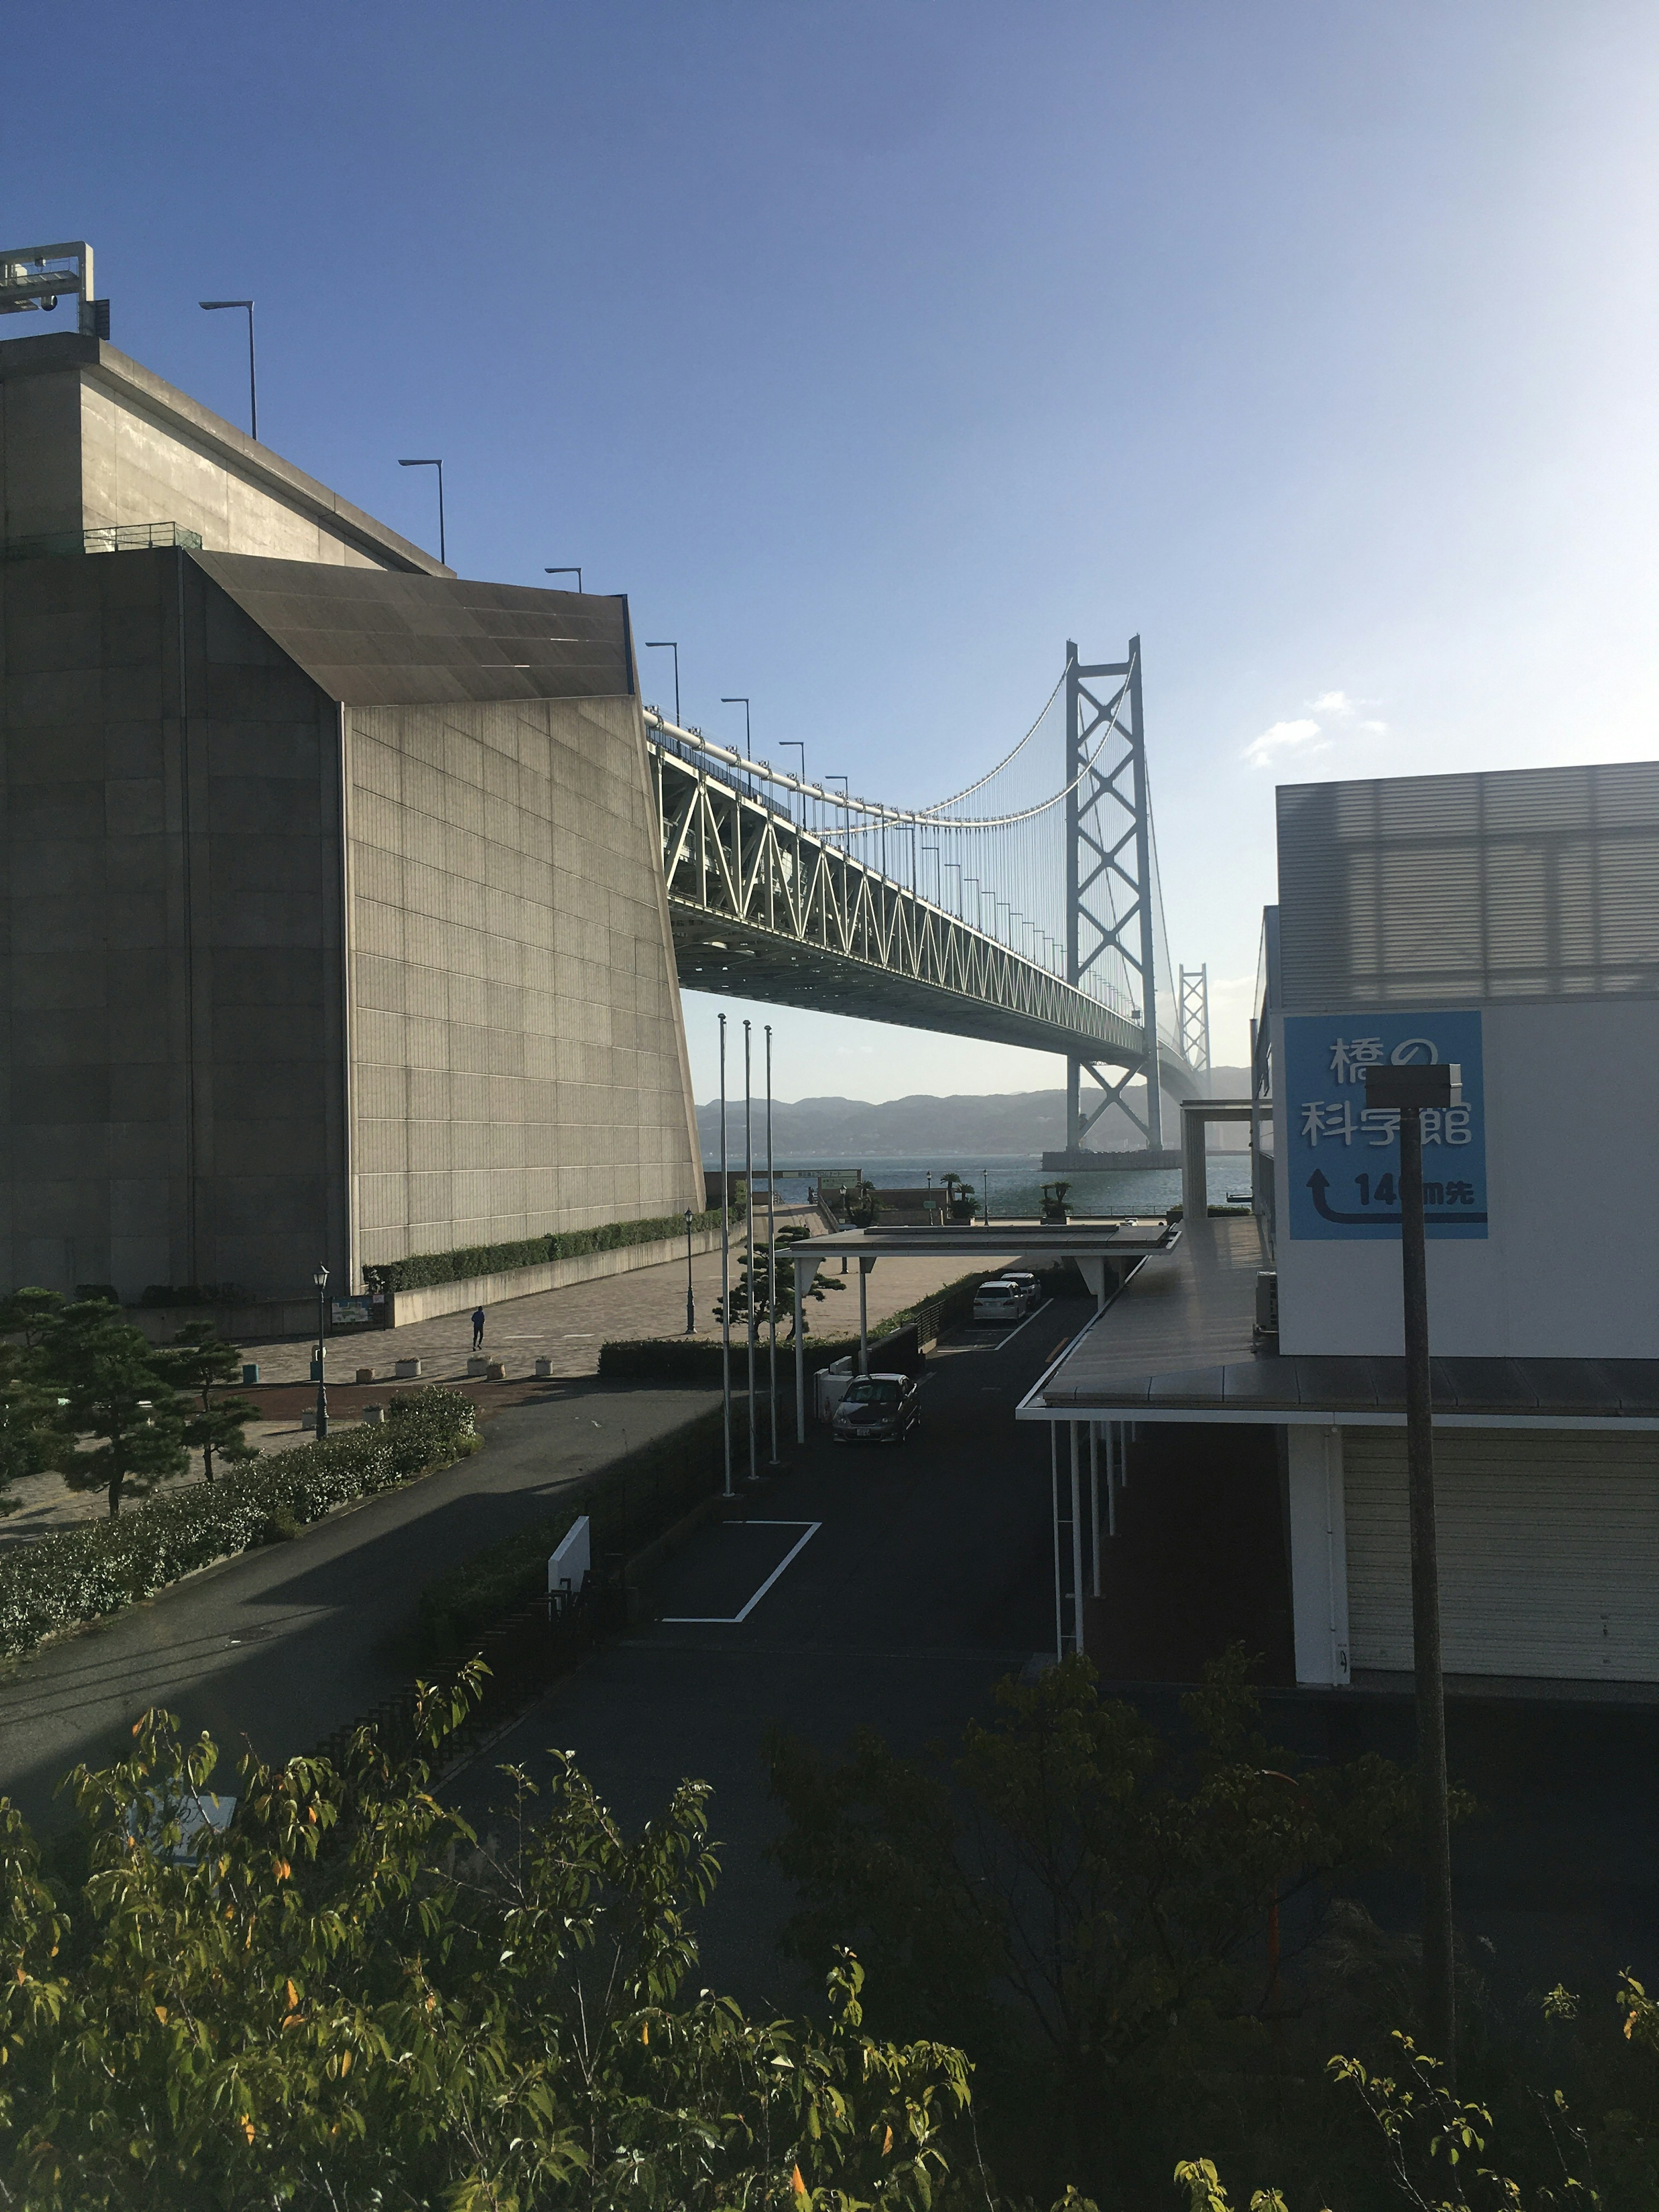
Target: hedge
425,1267
629,1503
696,1360
97,1569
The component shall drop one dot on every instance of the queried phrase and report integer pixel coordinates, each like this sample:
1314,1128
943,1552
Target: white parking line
1026,1323
731,1620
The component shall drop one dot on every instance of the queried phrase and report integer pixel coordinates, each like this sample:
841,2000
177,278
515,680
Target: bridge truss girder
761,907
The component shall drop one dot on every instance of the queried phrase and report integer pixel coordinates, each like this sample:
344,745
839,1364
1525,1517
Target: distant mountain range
955,1131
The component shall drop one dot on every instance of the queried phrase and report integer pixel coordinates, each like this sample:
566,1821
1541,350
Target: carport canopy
1096,1247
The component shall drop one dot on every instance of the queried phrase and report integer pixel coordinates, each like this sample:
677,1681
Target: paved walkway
569,1326
282,1645
565,1327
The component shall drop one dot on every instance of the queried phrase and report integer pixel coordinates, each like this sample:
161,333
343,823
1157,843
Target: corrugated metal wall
1549,1553
1438,890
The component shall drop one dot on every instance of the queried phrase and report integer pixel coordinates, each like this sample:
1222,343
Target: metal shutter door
1549,1553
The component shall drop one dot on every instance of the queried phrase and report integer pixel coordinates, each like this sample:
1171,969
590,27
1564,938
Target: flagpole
725,1274
748,1236
771,1249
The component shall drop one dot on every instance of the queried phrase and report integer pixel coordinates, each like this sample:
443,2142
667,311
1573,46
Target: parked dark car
877,1409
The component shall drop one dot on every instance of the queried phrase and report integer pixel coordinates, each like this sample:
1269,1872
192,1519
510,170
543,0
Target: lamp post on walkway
443,550
321,1280
253,378
669,645
691,1296
1407,1090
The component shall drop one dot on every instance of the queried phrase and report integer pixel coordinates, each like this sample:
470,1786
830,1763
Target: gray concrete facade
90,439
292,977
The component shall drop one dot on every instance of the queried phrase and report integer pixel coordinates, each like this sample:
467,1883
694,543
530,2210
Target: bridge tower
1111,894
1196,1015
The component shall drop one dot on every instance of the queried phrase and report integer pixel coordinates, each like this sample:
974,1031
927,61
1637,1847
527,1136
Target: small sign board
352,1313
569,1564
1342,1169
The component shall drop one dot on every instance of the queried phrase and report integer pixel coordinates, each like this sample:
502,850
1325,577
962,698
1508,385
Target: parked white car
1000,1300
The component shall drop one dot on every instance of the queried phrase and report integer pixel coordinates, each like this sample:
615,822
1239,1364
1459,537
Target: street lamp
668,645
321,1280
576,573
736,699
796,743
1406,1090
443,555
690,1298
253,383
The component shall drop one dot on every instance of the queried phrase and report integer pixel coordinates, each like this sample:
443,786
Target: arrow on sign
1319,1183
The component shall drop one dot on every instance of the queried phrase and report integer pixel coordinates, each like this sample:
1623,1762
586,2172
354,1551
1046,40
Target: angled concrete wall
173,1007
90,438
517,1047
200,1086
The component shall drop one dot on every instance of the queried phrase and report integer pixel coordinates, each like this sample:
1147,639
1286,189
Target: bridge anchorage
1012,910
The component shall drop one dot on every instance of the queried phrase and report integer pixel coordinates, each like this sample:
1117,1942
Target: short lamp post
321,1280
690,1296
1406,1091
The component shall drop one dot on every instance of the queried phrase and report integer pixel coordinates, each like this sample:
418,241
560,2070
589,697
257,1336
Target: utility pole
1407,1090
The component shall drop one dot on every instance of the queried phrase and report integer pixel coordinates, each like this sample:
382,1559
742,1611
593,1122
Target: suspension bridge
1024,908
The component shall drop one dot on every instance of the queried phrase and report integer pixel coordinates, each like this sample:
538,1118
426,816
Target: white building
1508,922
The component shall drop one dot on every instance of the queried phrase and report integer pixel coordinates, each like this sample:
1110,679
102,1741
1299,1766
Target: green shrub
459,1266
630,1505
98,1569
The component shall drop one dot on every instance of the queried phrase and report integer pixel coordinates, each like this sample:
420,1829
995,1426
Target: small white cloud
1332,702
1376,729
1300,737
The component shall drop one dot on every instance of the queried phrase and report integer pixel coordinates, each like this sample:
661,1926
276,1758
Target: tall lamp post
691,1296
443,553
321,1280
576,573
669,645
253,380
1406,1091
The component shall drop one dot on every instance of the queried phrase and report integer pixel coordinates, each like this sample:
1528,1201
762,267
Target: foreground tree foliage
1087,1911
340,2002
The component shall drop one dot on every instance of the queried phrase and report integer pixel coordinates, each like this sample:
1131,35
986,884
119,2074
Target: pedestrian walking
477,1328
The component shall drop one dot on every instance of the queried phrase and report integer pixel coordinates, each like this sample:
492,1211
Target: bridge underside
761,908
714,952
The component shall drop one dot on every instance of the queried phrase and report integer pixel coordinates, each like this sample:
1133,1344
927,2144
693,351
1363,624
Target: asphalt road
278,1647
916,1578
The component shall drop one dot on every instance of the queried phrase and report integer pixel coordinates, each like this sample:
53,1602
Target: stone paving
564,1327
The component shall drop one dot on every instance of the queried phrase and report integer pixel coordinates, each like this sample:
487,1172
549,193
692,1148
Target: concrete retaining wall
433,1298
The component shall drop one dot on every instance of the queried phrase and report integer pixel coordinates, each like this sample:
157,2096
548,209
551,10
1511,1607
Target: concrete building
1510,923
336,926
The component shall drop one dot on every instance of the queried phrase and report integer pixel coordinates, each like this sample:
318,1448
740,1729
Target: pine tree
200,1361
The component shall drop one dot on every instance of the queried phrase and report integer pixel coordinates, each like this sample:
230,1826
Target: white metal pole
1111,1479
1094,1501
771,1253
1077,1543
1053,1473
800,1361
725,1274
748,1236
864,1318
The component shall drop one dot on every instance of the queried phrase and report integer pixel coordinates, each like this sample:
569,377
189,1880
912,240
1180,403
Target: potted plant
960,1202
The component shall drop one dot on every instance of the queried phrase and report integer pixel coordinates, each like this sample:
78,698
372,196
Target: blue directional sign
1342,1169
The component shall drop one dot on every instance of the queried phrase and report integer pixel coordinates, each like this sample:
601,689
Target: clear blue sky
874,350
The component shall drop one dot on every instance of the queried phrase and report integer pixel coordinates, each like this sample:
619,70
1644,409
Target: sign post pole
1408,1089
